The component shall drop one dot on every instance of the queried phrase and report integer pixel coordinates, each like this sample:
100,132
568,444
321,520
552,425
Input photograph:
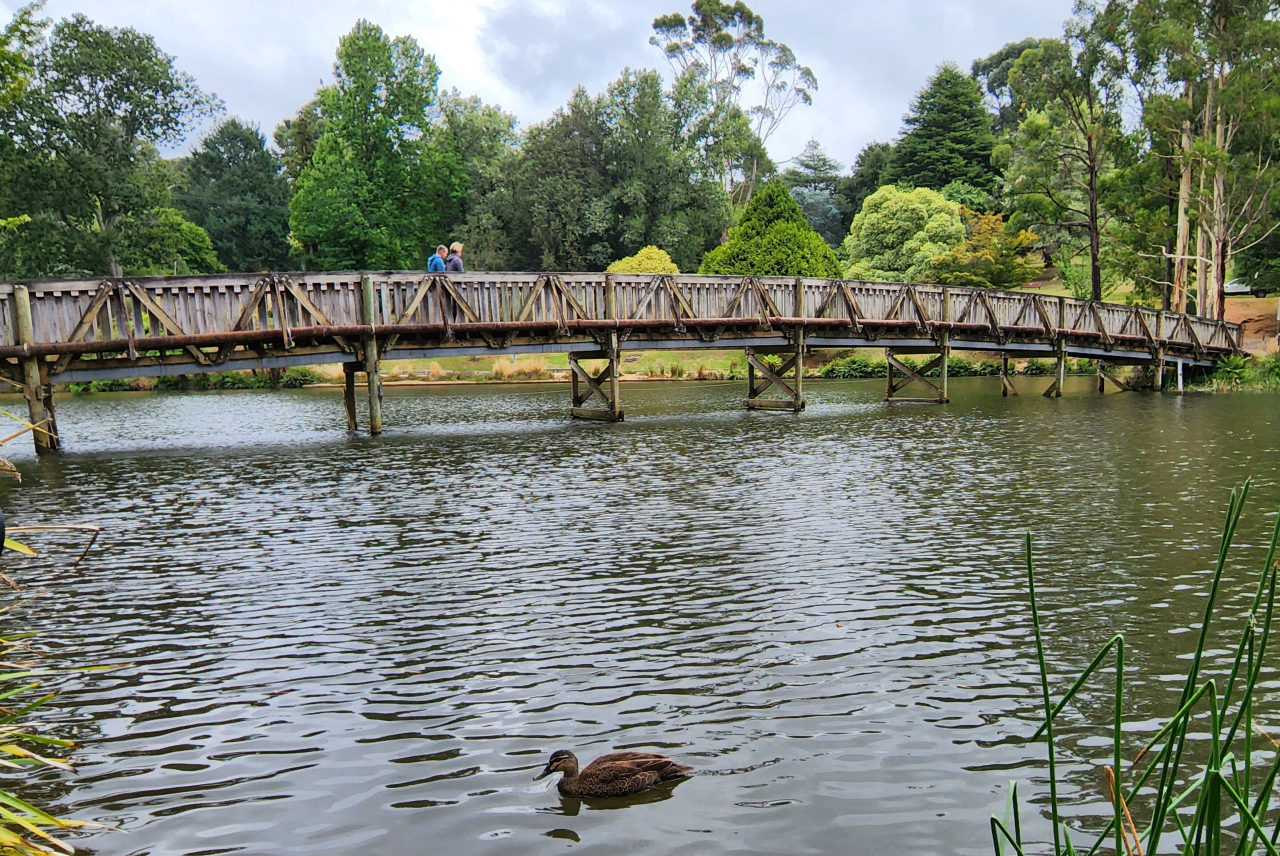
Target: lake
333,643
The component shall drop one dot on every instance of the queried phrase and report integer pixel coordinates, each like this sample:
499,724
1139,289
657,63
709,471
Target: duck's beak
547,771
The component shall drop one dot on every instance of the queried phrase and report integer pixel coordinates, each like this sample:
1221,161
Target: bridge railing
101,311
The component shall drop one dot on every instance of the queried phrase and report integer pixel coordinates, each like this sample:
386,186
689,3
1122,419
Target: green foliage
814,170
898,233
1075,275
609,175
720,48
79,154
1217,797
649,260
1232,371
162,241
1062,161
1259,265
235,191
772,239
297,139
376,193
947,137
856,367
991,255
870,173
968,196
17,47
822,212
299,376
992,75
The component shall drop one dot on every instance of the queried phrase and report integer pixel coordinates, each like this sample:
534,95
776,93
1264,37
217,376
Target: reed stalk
1213,806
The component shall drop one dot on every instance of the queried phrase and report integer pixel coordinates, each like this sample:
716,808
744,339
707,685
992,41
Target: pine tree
773,238
948,136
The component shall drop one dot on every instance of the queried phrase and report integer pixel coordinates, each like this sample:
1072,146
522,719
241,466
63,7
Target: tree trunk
1220,229
1095,240
1202,269
1180,261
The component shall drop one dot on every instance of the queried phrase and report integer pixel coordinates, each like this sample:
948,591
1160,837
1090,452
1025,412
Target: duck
615,775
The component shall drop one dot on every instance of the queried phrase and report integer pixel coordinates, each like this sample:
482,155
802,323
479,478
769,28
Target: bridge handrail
98,310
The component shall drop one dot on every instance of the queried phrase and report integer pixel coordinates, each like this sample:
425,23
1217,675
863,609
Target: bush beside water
294,378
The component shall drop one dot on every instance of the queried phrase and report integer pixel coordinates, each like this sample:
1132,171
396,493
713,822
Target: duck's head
561,761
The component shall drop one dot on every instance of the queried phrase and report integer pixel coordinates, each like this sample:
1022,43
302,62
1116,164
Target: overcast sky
264,58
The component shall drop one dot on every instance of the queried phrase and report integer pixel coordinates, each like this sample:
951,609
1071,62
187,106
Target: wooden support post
1006,385
1159,351
910,376
35,378
891,386
944,341
349,393
1102,384
1179,377
789,379
368,315
611,411
1059,372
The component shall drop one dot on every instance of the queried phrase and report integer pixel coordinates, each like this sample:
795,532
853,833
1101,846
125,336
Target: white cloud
265,59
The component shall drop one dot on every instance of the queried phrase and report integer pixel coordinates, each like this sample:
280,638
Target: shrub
896,235
1232,371
166,383
772,239
299,376
856,367
1269,369
1037,368
116,385
648,260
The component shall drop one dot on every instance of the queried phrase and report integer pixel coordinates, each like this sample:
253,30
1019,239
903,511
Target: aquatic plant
26,830
1203,801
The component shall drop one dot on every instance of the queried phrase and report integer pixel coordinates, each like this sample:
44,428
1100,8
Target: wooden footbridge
84,330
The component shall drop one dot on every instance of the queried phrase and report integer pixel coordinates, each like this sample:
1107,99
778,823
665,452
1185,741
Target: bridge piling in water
79,331
368,315
36,387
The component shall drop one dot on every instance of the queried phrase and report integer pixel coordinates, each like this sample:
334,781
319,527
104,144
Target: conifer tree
948,135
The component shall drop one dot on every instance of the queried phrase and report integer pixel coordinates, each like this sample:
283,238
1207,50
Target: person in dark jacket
436,263
454,262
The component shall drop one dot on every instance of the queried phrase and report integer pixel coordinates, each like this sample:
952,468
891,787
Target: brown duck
615,775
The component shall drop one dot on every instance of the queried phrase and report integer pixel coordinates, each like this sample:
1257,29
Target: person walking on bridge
453,264
436,263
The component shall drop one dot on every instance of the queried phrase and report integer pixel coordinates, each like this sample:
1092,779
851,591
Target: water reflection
343,644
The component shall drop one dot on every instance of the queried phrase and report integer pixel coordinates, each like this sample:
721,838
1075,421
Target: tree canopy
947,136
79,161
772,239
897,234
235,191
376,193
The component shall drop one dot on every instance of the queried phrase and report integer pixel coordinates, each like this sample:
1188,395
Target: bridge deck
81,330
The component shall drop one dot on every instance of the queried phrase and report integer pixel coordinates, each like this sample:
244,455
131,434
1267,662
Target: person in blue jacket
436,263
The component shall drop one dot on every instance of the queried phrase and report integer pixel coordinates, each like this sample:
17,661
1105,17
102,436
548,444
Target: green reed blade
1245,814
1048,706
1079,682
999,834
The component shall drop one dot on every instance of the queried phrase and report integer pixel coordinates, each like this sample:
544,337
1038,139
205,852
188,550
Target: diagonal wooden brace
911,375
305,302
610,412
770,377
85,324
246,315
174,328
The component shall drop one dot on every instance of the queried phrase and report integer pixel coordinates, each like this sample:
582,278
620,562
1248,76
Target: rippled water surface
337,644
